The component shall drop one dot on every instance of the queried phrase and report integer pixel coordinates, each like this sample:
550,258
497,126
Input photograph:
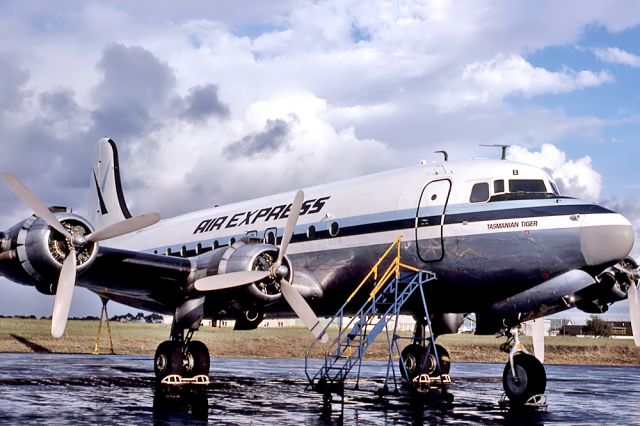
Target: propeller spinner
67,277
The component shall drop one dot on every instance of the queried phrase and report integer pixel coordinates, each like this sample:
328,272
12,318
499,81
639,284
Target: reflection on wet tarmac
55,389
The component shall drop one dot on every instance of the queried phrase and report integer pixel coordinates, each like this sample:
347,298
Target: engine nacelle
611,286
38,251
245,255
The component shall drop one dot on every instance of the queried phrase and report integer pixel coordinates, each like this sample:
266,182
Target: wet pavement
58,389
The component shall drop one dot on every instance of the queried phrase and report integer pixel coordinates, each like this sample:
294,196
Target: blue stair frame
382,307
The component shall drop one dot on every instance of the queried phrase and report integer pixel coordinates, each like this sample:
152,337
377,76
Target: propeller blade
303,310
291,225
230,280
634,312
27,197
537,330
124,227
62,302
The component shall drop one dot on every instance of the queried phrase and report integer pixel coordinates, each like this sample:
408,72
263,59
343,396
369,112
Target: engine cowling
611,286
245,255
37,250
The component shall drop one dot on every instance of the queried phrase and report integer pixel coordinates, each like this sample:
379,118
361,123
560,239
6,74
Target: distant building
621,329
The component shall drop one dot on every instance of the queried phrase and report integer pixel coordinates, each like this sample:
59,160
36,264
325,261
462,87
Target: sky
214,102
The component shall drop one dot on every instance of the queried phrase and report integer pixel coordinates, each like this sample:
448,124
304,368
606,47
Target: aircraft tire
168,359
445,360
532,379
413,356
200,360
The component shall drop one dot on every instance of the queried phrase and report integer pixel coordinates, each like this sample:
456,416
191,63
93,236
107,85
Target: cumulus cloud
614,55
575,178
12,81
274,137
279,144
134,85
203,102
487,81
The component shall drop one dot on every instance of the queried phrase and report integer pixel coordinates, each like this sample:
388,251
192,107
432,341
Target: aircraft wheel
197,361
531,379
431,367
413,355
445,360
168,359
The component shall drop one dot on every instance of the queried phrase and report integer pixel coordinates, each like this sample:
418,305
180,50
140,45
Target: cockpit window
554,187
498,186
527,185
479,193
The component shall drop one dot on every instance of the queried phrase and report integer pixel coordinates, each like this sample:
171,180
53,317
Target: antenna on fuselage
446,156
497,145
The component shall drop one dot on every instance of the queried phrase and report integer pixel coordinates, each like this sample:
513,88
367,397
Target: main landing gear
524,378
421,363
181,359
187,359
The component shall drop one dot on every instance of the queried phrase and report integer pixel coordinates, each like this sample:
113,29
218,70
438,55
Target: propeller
634,309
633,299
277,271
537,331
67,278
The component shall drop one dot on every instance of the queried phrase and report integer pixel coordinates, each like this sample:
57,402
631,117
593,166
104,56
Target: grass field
27,335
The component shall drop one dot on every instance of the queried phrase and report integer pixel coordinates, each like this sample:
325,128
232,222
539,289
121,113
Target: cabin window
183,251
479,192
168,252
334,229
198,248
498,186
270,238
232,241
527,185
216,244
311,232
155,252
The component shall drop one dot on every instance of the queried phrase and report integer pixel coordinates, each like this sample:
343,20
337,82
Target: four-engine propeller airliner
502,241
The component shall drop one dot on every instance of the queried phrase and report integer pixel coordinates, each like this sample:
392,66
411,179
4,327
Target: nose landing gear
524,378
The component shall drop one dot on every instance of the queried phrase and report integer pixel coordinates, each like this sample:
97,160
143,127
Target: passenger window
311,232
498,186
270,237
479,193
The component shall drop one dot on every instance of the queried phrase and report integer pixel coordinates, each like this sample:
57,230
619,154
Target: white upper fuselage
392,195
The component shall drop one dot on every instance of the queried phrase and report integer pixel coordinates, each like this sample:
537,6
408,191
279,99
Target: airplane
503,242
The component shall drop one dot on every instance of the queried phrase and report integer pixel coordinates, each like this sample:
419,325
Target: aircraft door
430,220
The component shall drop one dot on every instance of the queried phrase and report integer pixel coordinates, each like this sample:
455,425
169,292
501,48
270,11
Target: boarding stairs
391,289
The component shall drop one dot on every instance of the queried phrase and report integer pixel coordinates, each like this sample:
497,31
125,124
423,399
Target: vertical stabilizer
106,204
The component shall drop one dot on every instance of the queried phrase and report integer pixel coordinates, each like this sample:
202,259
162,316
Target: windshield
527,185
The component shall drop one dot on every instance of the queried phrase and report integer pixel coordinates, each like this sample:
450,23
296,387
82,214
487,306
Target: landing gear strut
524,378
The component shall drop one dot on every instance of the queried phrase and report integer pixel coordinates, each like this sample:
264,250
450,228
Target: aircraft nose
605,238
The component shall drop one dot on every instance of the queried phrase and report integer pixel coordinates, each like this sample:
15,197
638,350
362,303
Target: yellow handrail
392,270
374,269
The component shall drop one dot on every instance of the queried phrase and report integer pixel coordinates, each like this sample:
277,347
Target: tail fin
106,203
